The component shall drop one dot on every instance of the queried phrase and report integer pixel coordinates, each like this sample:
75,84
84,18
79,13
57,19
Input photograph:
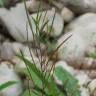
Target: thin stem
29,46
54,53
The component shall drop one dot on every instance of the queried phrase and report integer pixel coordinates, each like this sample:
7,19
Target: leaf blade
7,84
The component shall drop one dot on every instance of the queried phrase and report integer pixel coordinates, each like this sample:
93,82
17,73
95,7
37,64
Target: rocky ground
74,19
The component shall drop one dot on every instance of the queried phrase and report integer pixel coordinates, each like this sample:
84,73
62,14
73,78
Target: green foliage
50,87
70,84
7,84
44,84
41,35
93,54
2,2
43,80
27,93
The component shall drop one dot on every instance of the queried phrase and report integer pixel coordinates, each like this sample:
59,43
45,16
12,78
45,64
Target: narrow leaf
7,84
69,83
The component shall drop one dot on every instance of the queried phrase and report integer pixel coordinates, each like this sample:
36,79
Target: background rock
6,51
83,21
74,49
82,78
80,6
67,14
84,92
33,6
9,75
58,23
92,87
17,26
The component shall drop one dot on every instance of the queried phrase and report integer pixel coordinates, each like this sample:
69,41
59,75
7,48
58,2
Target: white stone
8,74
6,51
33,6
82,78
73,49
19,64
82,21
84,92
27,51
81,6
9,49
17,26
17,47
67,14
58,23
30,56
83,31
92,87
15,21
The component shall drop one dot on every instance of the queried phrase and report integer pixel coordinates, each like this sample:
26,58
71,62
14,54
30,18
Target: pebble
9,75
67,15
6,51
92,87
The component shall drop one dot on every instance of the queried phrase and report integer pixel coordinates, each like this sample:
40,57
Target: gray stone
8,74
81,6
18,26
34,5
67,14
82,21
6,51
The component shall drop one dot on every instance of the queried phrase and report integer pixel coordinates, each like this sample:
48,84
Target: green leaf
7,84
1,2
93,54
22,71
44,25
32,92
32,69
70,84
38,78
